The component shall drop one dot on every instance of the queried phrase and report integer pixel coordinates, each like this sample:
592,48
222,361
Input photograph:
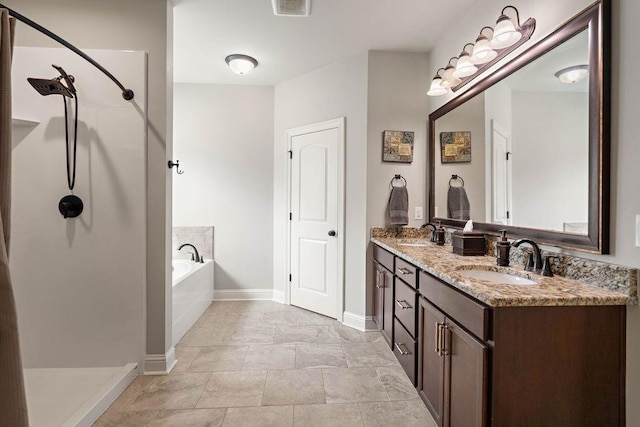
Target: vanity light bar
505,38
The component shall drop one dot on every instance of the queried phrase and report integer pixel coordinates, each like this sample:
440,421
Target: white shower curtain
13,405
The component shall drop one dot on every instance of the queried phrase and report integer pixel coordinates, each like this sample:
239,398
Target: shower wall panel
80,283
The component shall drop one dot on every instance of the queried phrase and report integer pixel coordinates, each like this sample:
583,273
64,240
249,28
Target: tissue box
468,243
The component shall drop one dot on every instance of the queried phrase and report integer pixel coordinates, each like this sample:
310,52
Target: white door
316,217
501,185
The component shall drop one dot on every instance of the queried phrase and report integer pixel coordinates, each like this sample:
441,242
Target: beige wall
625,151
136,25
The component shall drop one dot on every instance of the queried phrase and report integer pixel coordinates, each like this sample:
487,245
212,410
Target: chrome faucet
433,232
536,266
194,257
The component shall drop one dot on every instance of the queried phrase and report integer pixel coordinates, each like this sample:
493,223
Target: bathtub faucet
194,257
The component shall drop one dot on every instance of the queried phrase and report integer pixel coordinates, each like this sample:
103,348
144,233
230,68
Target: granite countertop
441,262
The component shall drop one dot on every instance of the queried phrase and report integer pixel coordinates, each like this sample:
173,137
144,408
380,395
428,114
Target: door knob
332,233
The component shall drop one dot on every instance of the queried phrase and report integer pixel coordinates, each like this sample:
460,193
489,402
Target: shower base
74,396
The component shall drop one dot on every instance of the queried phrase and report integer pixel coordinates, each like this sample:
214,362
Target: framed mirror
527,148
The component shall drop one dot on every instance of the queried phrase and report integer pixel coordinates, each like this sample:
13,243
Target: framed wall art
397,146
455,147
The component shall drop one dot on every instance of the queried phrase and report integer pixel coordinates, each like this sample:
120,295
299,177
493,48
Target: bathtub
192,294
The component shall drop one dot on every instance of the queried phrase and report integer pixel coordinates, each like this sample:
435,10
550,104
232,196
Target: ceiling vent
291,7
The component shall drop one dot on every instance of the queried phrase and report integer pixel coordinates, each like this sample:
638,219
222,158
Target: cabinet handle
378,279
403,271
443,341
402,352
437,334
403,304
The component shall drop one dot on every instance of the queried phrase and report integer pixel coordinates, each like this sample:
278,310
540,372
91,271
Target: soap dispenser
439,235
502,250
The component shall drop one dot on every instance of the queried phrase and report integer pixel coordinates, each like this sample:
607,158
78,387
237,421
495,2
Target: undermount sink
415,243
496,277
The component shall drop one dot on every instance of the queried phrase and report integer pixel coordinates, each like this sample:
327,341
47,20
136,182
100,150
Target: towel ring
456,178
398,178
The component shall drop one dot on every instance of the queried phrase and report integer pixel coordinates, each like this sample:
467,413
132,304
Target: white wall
337,90
560,194
143,25
224,140
80,283
625,152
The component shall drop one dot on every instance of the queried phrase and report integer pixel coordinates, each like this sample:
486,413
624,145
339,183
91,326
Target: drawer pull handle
443,339
402,352
403,271
403,304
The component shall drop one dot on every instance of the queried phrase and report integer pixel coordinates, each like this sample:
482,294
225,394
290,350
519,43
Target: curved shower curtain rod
126,93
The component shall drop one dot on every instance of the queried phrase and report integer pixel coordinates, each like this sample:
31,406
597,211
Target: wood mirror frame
596,20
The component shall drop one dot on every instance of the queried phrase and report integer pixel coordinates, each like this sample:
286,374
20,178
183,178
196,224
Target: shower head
54,86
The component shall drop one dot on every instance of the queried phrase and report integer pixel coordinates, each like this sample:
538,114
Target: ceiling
206,31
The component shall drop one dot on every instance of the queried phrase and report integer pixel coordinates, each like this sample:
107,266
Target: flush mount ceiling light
436,88
506,37
506,33
482,52
573,74
464,66
241,64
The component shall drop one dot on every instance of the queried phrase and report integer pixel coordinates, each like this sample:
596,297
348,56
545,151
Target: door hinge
508,153
289,277
290,216
290,154
507,214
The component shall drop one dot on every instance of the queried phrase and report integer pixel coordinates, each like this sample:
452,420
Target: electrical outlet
418,212
637,231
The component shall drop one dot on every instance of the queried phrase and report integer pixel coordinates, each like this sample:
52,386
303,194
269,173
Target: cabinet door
466,382
378,295
431,362
387,318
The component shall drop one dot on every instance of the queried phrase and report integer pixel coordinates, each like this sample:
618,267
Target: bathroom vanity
483,353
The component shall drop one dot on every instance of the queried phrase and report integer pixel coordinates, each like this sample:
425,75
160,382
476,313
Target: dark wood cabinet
452,370
383,293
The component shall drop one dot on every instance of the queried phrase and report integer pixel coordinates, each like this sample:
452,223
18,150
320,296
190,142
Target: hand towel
398,206
458,204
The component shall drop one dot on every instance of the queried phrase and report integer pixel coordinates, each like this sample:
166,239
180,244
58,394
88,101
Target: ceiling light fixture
436,88
241,64
506,37
506,33
482,52
464,66
573,74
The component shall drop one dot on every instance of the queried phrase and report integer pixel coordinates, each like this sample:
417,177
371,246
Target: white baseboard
243,294
278,296
356,321
160,364
97,404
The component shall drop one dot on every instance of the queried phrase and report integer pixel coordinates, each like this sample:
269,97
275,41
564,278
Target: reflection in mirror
531,142
529,162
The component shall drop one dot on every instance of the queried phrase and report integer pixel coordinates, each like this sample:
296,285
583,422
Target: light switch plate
418,212
637,231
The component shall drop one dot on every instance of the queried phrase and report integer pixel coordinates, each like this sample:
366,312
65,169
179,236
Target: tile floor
260,363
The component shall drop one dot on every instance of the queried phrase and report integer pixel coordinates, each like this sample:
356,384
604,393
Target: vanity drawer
404,347
405,306
383,257
406,271
467,312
